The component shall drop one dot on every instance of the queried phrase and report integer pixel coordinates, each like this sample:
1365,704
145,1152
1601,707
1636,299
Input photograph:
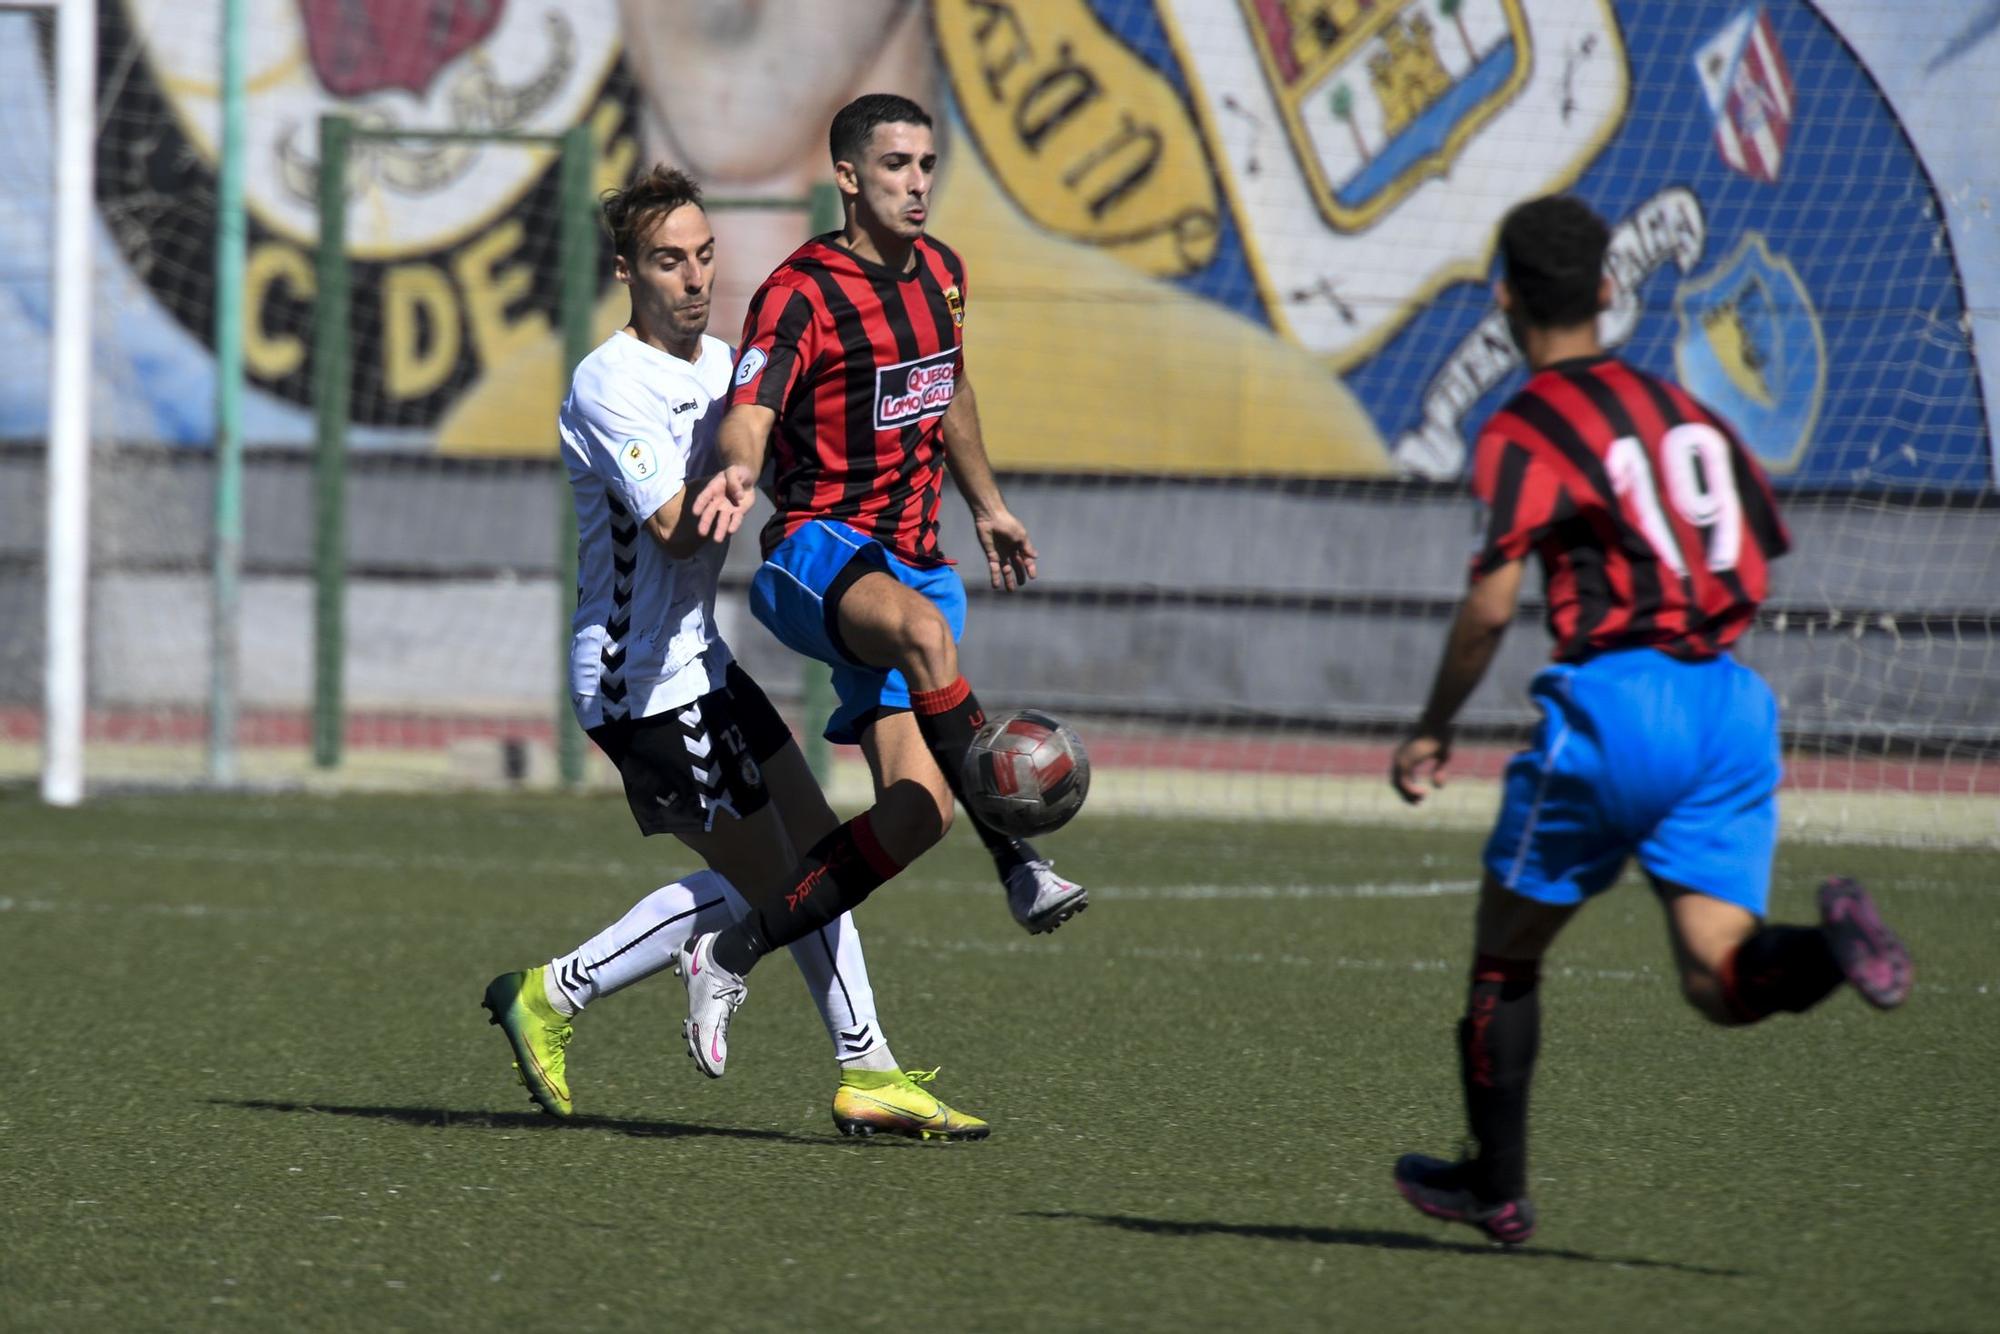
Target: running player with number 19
1655,530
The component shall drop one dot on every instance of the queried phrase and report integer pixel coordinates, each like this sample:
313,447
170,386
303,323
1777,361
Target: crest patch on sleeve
635,457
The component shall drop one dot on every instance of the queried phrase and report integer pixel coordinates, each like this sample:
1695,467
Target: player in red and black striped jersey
859,366
1567,470
853,374
1655,529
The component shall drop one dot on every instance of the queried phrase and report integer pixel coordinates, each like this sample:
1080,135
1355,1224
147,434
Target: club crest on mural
1750,347
1345,126
527,65
1750,93
1378,94
447,277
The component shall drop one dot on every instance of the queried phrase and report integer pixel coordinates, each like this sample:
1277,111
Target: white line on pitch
1415,889
1179,954
1195,893
600,867
1195,954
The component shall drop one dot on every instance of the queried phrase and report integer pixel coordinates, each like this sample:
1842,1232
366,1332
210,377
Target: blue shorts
1641,753
788,598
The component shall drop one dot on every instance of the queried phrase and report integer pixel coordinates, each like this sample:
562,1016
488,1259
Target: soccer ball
1026,773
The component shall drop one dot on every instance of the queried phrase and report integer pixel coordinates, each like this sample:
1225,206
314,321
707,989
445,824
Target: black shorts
683,766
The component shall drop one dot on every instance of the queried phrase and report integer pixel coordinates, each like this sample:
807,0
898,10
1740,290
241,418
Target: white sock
642,942
836,974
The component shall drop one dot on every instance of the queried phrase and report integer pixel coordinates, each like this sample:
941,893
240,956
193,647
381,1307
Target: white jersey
638,423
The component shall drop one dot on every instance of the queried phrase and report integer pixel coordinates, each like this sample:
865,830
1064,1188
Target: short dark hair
629,212
1552,256
854,123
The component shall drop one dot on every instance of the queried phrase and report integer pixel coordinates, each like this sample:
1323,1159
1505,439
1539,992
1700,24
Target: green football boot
894,1102
537,1034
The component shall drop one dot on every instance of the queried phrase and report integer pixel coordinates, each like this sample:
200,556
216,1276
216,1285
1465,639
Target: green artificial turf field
250,1086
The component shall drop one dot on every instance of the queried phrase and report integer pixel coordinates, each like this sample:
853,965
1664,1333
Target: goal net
1227,312
1259,236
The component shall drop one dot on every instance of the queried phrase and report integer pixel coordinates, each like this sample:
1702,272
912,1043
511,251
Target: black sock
1007,852
1788,968
949,718
842,869
1497,1043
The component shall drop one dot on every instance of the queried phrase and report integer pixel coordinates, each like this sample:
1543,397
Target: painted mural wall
1204,236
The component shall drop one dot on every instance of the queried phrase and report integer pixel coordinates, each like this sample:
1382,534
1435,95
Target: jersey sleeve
777,347
641,459
1523,498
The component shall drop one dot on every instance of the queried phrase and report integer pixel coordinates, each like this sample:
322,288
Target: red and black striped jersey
860,364
1654,525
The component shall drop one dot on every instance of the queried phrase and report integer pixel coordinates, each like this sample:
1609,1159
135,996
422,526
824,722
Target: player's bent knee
927,642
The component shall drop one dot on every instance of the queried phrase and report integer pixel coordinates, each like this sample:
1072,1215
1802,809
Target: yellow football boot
894,1102
537,1034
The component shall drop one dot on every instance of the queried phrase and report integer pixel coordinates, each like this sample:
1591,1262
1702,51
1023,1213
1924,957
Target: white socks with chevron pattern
642,942
645,940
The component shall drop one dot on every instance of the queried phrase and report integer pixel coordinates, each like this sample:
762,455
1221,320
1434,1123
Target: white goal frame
64,698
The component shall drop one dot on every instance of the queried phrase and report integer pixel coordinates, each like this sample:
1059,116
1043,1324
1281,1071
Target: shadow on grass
445,1118
1375,1239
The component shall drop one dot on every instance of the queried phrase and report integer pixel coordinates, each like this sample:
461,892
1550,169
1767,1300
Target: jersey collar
1578,363
881,272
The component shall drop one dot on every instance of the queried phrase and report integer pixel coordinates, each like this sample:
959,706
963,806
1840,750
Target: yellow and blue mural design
1363,154
1204,237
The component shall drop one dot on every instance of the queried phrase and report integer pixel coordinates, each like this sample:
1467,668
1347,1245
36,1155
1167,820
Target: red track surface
1305,756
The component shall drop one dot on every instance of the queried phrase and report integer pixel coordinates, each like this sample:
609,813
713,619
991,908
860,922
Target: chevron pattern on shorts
703,762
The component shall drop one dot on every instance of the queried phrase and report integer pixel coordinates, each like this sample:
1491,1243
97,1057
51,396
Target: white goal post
68,573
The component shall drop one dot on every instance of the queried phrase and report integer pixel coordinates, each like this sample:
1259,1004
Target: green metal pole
228,510
827,216
331,389
577,244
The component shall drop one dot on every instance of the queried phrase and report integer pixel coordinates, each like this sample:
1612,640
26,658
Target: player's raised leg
1710,859
891,625
829,565
1736,969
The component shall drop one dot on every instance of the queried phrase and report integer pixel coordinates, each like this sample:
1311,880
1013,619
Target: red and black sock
842,869
1497,1043
1779,968
949,718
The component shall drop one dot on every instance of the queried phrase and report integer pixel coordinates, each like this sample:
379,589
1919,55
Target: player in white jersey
702,753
